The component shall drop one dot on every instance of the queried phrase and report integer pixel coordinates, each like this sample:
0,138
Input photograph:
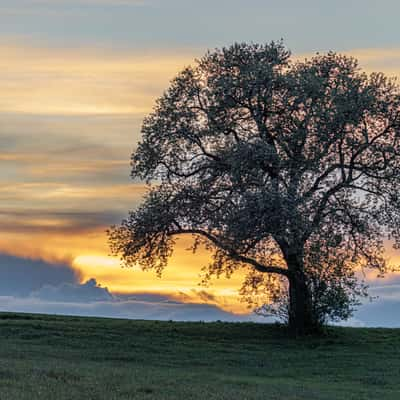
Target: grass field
54,357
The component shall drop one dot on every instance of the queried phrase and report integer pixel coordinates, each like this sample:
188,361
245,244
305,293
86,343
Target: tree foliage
290,169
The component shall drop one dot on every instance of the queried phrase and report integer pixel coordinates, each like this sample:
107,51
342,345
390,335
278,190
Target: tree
289,168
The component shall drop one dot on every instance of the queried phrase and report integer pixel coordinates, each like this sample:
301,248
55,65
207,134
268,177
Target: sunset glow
72,102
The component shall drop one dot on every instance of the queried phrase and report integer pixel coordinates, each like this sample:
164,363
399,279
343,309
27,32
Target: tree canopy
287,168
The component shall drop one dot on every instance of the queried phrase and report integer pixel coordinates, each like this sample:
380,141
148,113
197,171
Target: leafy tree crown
263,158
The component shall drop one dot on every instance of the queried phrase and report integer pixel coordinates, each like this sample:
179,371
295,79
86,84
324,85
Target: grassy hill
54,357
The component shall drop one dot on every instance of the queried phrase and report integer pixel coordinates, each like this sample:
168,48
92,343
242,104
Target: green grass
54,357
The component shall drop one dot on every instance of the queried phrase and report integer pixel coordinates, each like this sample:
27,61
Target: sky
77,78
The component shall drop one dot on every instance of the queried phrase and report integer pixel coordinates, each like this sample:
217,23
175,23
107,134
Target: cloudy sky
77,77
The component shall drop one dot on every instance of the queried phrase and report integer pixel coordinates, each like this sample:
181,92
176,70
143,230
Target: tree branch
273,269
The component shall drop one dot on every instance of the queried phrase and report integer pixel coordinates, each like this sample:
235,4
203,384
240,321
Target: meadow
58,357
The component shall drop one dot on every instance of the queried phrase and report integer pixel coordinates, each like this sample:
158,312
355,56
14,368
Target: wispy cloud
386,60
80,82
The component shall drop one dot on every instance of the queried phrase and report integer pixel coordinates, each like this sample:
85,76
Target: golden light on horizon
87,254
82,104
179,280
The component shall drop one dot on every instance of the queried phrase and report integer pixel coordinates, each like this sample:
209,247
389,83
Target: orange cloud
37,80
79,82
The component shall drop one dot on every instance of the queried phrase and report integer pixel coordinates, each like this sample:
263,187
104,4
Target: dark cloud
74,292
70,137
29,221
22,276
8,141
147,297
206,296
68,149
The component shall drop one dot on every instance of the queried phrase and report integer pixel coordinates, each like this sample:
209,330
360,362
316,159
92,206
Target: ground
54,357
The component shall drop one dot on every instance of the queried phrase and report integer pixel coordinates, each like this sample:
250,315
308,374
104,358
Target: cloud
103,81
28,285
70,120
379,60
47,202
91,299
73,292
93,81
386,60
67,222
389,292
22,276
32,285
36,286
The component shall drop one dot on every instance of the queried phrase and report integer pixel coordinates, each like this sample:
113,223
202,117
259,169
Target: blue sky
308,25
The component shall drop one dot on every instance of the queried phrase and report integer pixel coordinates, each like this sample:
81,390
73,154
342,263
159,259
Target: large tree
289,168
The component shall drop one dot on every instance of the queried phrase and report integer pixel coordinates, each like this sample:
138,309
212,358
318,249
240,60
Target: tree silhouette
289,168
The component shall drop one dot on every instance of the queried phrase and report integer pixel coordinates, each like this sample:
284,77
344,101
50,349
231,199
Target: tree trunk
301,321
300,310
